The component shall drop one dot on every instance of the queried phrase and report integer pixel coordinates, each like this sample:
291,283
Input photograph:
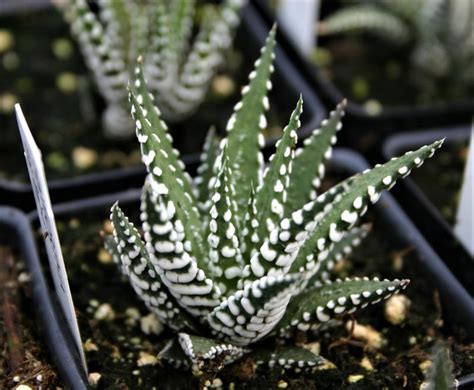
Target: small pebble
94,378
7,102
366,363
84,158
396,309
150,324
24,277
6,40
104,256
373,107
217,384
355,378
108,227
424,366
314,347
39,378
223,85
133,316
89,346
365,333
62,48
146,359
412,340
104,313
66,82
23,387
282,384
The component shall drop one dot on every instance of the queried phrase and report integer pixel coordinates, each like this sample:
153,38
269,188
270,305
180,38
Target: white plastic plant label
48,225
464,228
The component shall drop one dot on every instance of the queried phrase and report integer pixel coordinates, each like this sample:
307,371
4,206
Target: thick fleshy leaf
352,204
135,263
272,194
362,18
102,58
206,352
440,374
284,243
288,358
252,312
320,266
166,170
334,299
308,166
206,171
173,354
250,238
244,135
223,239
271,199
171,254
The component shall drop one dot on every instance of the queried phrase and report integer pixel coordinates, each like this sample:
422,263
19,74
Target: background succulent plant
179,68
244,251
439,35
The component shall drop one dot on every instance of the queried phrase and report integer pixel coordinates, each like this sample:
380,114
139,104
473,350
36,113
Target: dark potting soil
112,322
42,68
441,178
23,356
377,75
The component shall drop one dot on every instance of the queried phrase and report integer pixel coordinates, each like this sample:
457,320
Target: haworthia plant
180,68
440,374
438,34
239,255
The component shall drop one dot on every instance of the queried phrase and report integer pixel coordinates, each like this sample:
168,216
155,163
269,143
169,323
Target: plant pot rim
64,189
47,310
462,107
459,260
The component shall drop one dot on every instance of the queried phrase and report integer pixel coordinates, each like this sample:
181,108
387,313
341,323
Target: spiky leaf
308,166
172,256
203,351
137,266
440,374
245,124
223,239
251,313
335,298
288,357
366,187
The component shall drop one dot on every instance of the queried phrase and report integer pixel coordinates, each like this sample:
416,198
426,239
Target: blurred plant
244,251
439,35
179,68
440,374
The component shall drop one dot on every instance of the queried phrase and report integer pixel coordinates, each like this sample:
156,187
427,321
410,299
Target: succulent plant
440,373
179,69
244,251
439,35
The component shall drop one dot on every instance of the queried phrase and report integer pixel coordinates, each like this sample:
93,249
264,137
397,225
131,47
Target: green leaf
103,60
206,171
250,238
171,253
205,352
288,358
366,188
173,354
334,299
251,313
284,243
142,274
366,18
244,125
308,166
223,238
167,173
180,28
440,375
319,266
271,199
272,194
